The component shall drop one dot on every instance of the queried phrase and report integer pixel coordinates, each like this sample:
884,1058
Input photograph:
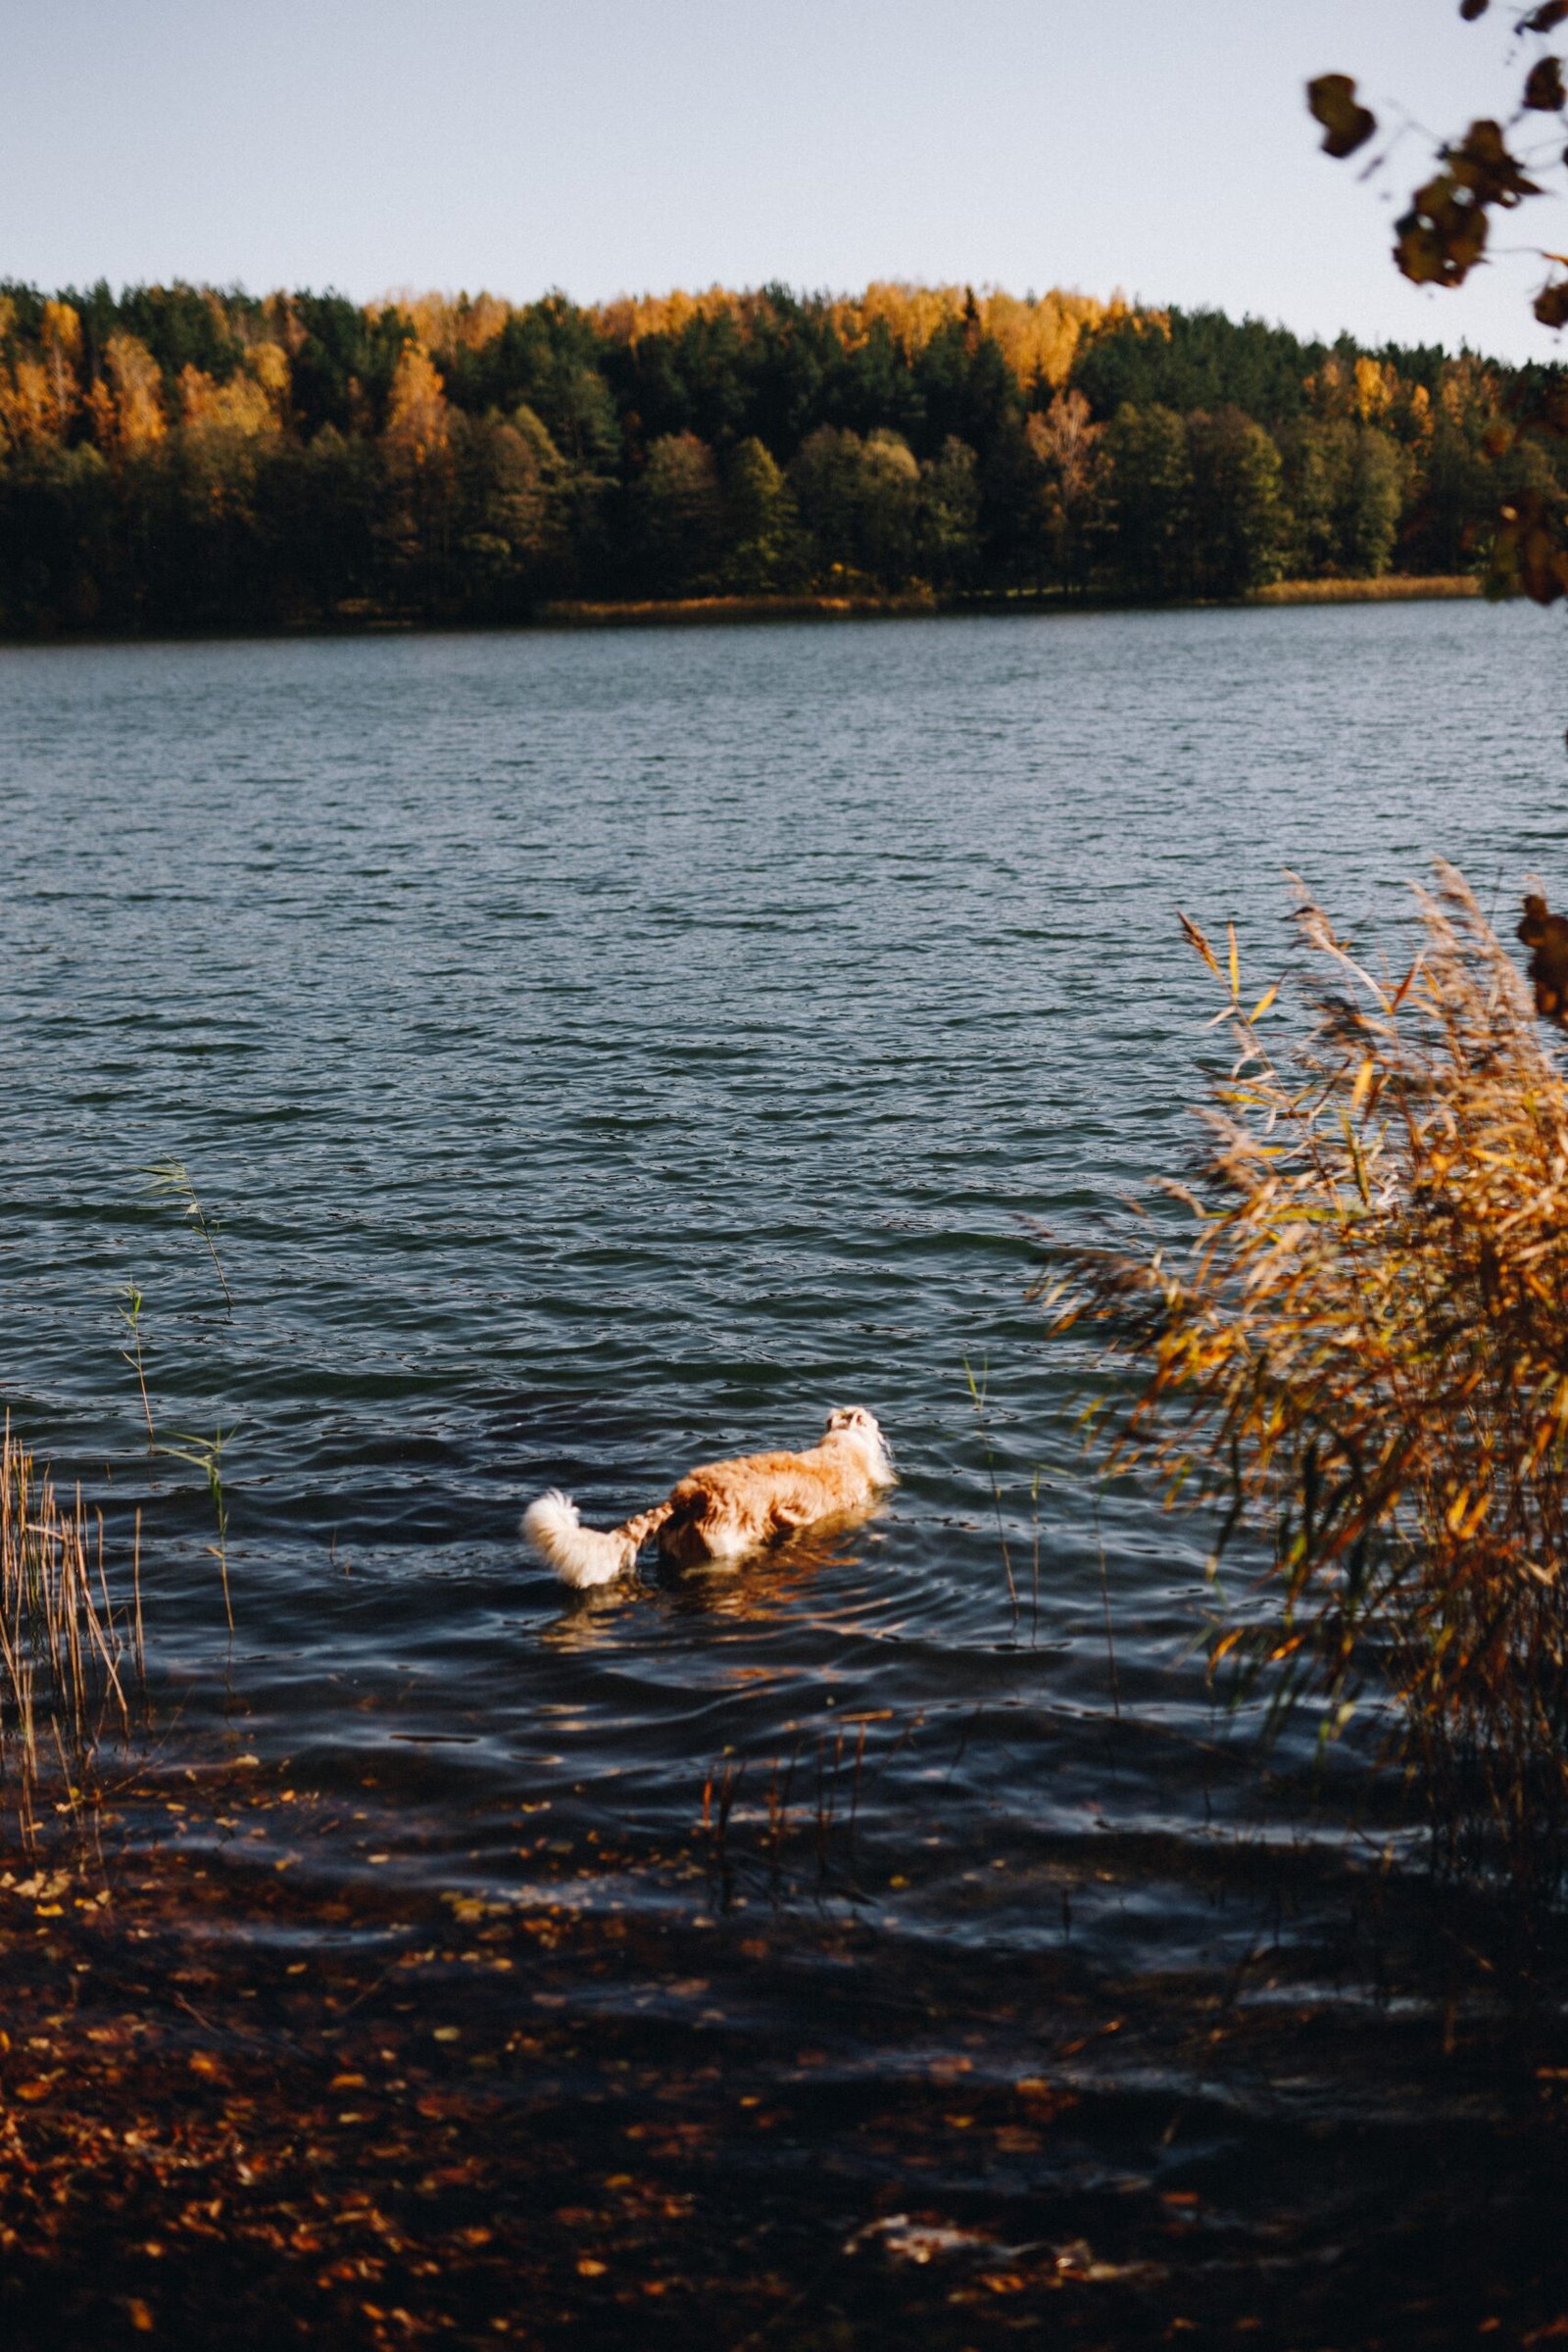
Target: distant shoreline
190,461
694,611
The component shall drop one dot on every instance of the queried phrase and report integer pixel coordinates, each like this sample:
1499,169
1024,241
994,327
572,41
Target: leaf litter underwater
243,2093
855,1948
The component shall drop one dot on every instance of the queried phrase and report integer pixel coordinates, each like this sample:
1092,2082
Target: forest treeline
183,456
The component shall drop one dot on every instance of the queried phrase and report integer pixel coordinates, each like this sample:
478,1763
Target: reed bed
1390,587
68,1662
1355,1359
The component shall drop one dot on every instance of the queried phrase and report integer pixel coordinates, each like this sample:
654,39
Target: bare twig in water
131,1316
172,1176
206,1455
1105,1603
977,1391
1034,1565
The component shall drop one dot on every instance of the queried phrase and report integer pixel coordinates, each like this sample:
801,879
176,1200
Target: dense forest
184,458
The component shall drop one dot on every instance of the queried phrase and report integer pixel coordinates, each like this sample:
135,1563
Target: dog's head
862,1431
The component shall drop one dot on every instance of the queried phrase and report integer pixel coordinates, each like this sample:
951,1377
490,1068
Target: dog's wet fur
725,1509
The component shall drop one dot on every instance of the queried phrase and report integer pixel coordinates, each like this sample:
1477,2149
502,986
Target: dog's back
724,1508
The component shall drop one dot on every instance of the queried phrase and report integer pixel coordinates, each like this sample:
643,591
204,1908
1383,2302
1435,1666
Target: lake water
604,1052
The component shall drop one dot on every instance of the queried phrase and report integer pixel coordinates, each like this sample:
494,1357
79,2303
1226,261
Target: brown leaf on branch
1544,86
1546,935
1551,304
1470,9
1483,163
1442,236
1530,548
1346,124
1547,18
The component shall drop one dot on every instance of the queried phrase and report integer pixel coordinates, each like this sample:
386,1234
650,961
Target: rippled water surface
603,1054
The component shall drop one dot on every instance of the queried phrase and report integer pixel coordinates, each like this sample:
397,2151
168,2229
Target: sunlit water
603,1054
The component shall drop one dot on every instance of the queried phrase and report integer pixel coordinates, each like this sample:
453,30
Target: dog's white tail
583,1557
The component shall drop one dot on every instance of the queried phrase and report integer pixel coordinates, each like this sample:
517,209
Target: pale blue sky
622,145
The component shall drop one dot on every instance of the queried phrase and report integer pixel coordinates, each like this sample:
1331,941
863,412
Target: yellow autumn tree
1375,388
25,408
62,354
125,402
1067,446
632,317
418,456
1038,335
224,430
911,314
39,390
418,423
249,404
446,324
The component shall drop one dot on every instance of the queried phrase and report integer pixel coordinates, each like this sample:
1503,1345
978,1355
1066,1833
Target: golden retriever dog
725,1509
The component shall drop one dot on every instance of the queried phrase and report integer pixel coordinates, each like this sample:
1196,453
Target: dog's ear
848,1416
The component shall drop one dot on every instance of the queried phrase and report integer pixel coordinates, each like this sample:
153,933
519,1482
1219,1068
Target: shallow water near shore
603,1054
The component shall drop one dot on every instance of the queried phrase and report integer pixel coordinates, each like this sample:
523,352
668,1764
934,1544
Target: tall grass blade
63,1658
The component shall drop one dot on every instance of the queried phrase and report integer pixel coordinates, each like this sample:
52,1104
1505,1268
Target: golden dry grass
1360,1355
64,1659
1388,587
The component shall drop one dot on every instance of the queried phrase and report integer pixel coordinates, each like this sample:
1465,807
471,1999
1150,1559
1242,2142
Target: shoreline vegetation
1392,588
69,1666
1352,1364
185,459
696,611
716,611
654,611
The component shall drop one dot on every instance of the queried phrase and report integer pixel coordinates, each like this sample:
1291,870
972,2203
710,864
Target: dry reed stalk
1390,586
1362,1356
61,1651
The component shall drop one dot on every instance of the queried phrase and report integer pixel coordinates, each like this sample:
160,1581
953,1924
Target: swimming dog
724,1510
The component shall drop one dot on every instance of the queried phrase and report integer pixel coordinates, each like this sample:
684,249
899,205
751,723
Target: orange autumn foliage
418,421
445,324
128,409
39,395
1038,335
250,403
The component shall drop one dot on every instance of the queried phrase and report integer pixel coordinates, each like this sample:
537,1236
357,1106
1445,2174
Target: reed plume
1358,1355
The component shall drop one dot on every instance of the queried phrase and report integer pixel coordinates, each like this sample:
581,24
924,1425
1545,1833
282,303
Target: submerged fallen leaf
915,2241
